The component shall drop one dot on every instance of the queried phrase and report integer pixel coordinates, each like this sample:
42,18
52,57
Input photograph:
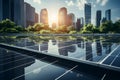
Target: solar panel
114,58
29,68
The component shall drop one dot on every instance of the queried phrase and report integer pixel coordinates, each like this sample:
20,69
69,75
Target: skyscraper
44,16
62,16
108,14
29,14
0,10
82,21
18,12
13,10
36,18
78,25
71,20
87,12
5,9
98,17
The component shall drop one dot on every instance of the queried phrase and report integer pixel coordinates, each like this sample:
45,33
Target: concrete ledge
30,34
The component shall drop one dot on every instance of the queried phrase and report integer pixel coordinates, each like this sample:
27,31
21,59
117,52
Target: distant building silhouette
82,21
71,20
1,13
78,25
29,14
98,17
44,16
108,14
54,25
87,12
13,10
36,18
103,20
62,16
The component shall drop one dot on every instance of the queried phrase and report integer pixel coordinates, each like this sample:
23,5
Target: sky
76,7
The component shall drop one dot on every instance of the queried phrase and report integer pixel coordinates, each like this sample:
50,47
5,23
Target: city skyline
77,7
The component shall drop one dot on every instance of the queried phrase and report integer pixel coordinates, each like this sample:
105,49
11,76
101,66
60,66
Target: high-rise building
18,12
5,9
71,20
78,25
54,25
87,12
82,21
0,10
13,10
36,18
98,17
108,14
44,16
62,16
29,14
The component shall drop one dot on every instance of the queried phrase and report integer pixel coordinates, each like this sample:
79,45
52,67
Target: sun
53,18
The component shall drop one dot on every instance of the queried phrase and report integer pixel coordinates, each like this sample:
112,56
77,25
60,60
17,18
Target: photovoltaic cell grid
16,66
23,67
113,59
63,47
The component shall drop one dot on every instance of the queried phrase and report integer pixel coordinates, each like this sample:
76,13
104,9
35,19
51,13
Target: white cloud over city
80,3
69,3
37,1
102,2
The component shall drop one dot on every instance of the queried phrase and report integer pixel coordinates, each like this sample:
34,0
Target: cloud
80,4
94,5
37,1
117,18
69,3
98,1
102,2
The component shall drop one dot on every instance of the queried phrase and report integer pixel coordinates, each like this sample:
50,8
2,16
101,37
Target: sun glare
53,18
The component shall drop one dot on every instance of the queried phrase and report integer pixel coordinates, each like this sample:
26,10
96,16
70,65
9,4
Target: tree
38,26
30,28
106,27
116,27
8,23
46,27
62,29
10,27
96,30
88,29
11,30
19,28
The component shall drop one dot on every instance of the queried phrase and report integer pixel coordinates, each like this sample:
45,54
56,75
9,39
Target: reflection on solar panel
28,68
21,66
114,58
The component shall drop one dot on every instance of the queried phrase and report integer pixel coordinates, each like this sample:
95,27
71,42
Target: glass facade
87,13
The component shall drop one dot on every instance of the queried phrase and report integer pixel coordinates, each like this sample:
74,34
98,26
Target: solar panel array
17,66
114,58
